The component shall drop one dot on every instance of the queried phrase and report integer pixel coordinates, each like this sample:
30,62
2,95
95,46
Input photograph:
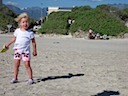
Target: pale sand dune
69,67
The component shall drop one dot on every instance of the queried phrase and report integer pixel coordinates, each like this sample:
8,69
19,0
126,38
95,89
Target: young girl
22,37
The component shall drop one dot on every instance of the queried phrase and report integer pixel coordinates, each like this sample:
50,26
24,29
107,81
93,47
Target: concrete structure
0,2
56,9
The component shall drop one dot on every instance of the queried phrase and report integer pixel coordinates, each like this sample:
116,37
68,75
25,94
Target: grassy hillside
6,17
56,23
103,19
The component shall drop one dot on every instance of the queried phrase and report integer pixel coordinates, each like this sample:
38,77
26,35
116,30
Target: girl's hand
34,53
6,47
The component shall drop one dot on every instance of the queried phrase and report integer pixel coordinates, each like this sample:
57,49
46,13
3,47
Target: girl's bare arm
11,41
34,47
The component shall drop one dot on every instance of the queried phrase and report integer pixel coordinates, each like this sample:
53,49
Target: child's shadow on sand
108,93
70,75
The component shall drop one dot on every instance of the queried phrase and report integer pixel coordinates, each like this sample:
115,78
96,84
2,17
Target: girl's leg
16,68
29,69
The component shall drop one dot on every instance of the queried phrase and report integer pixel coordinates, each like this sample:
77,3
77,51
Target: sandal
14,81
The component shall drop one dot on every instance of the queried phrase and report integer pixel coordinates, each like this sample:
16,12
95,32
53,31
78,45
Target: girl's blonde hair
22,15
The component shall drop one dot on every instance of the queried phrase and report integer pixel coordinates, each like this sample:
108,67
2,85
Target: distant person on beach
105,37
22,38
98,36
73,21
69,22
91,34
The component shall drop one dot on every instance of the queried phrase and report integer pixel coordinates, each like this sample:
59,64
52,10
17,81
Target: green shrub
100,19
56,23
6,17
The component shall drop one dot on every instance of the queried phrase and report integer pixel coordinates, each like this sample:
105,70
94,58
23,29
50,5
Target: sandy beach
69,67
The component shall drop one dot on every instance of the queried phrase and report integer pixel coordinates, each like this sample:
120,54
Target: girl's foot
14,81
30,81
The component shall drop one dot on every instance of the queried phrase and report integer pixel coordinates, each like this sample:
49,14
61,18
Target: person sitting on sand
91,34
105,37
98,36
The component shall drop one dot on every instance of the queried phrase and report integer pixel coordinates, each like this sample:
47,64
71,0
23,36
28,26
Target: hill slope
99,19
6,17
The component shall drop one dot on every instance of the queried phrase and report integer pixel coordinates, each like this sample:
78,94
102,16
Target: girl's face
24,23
